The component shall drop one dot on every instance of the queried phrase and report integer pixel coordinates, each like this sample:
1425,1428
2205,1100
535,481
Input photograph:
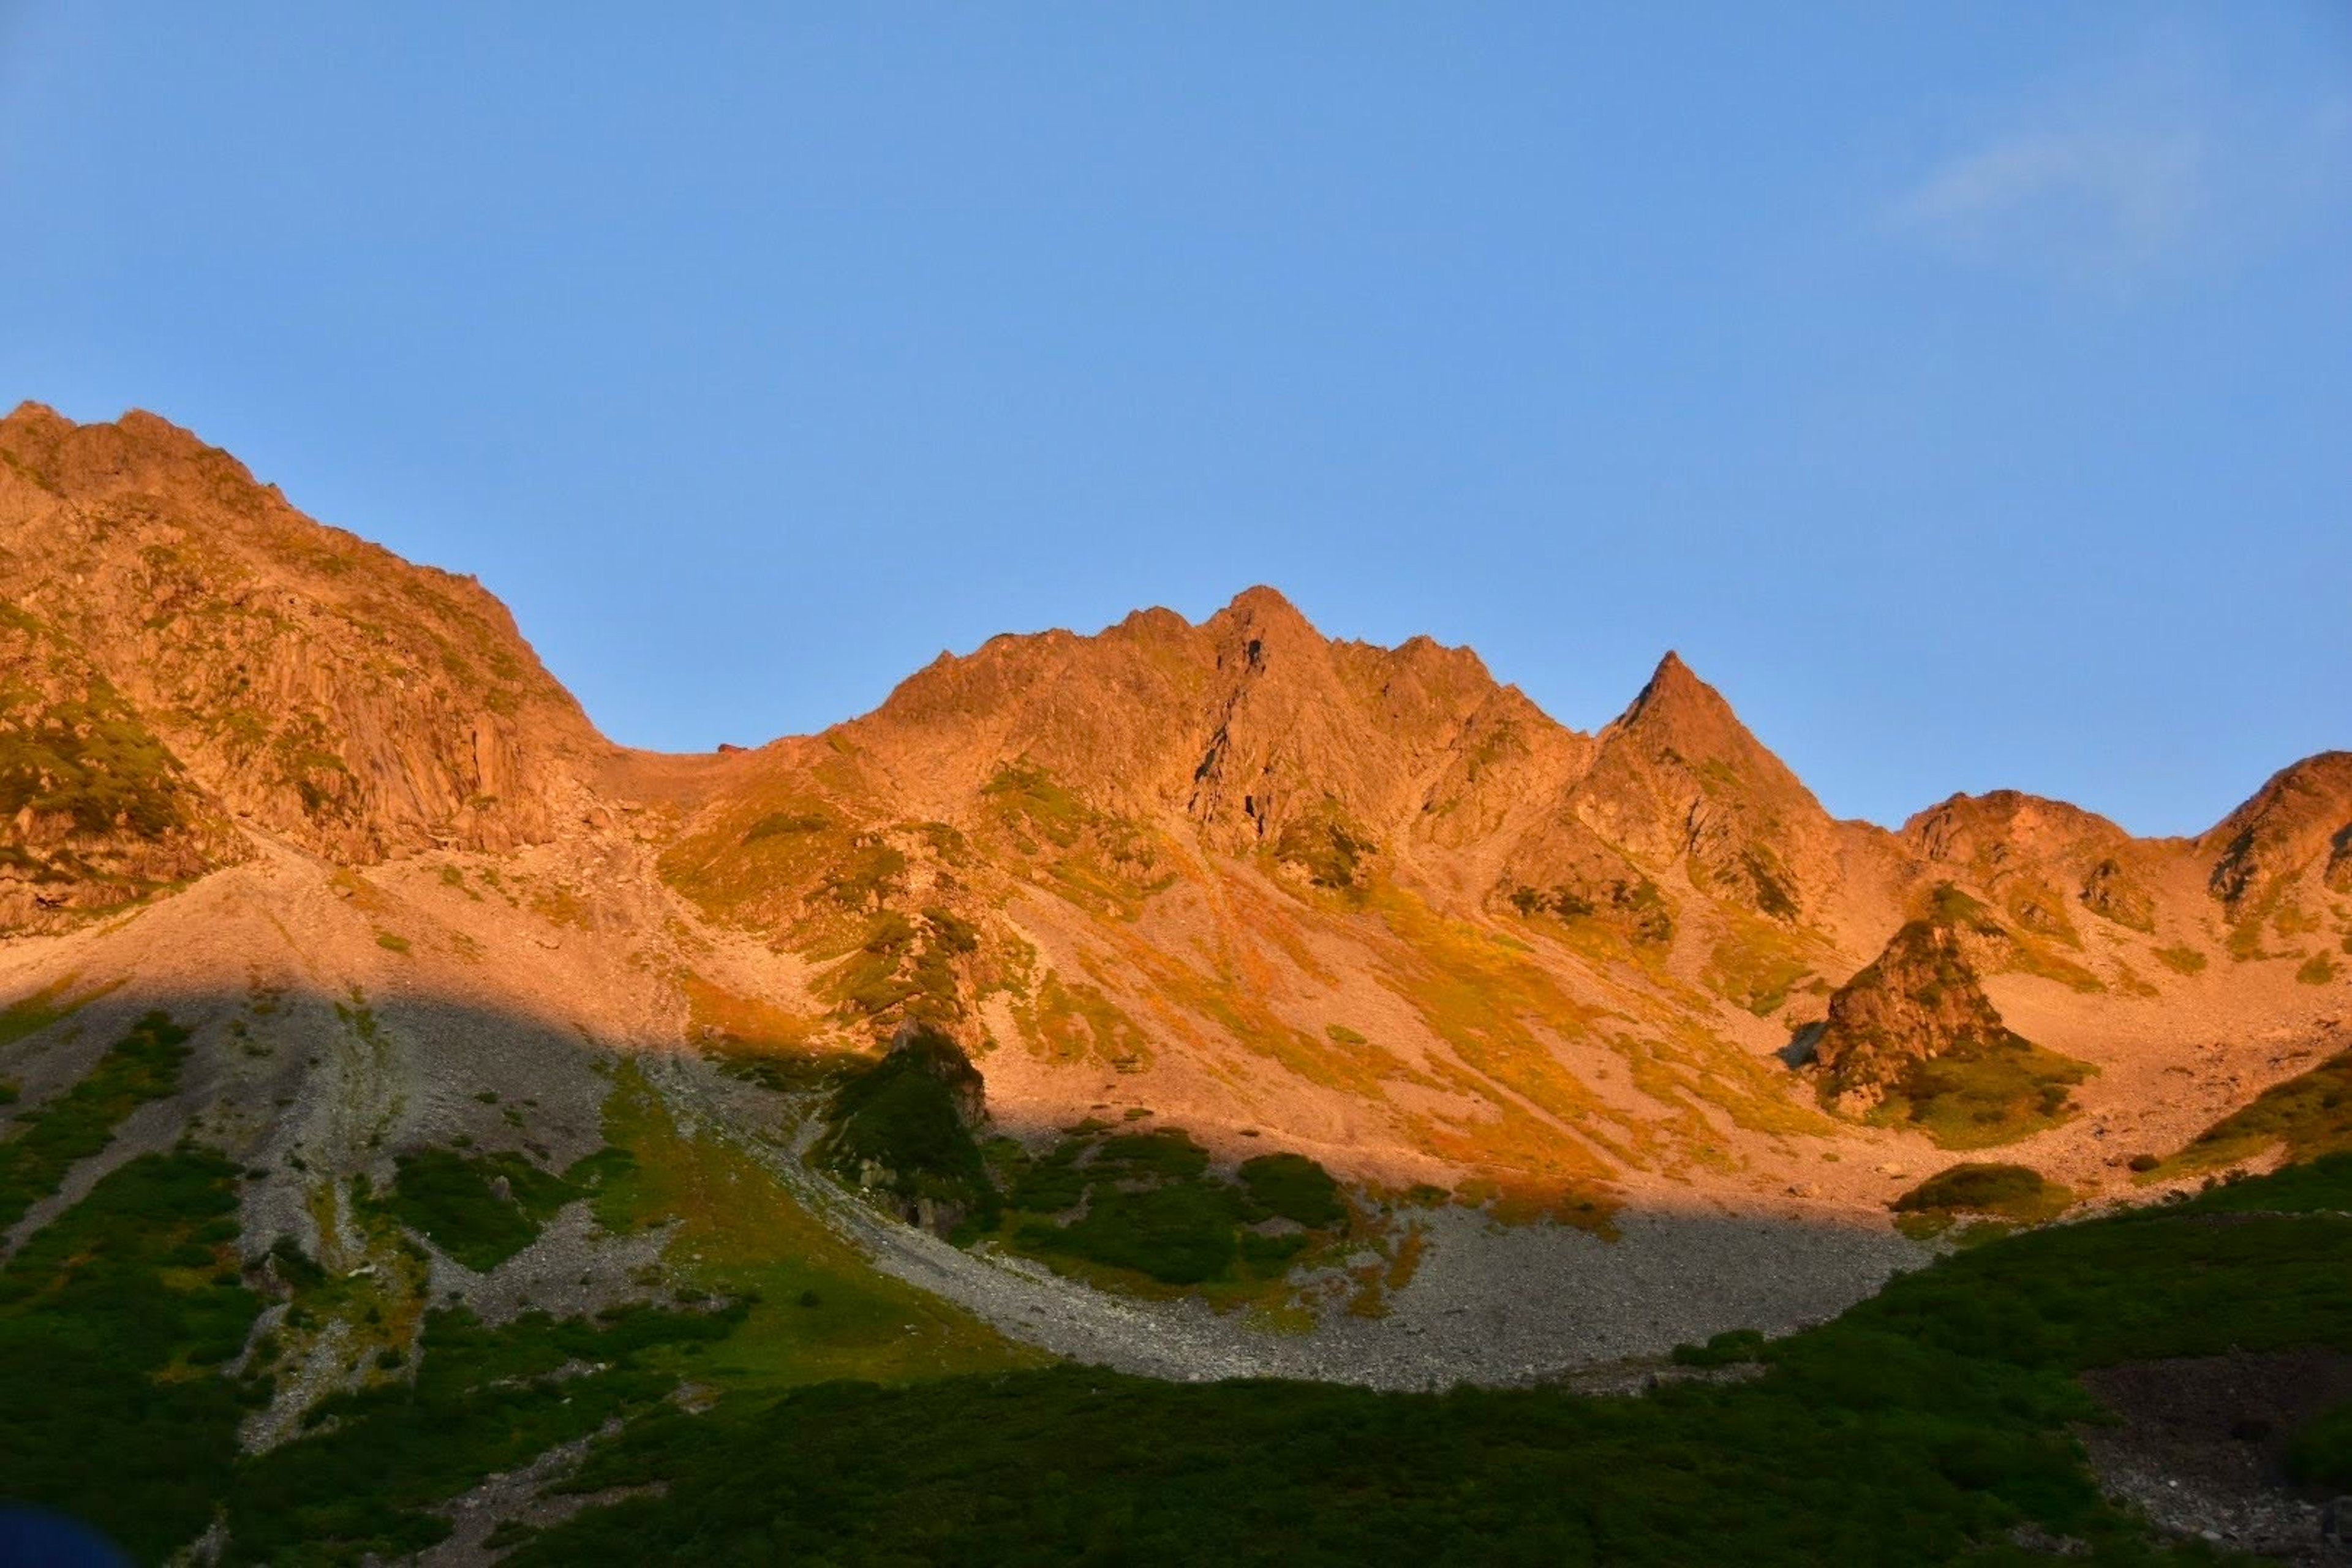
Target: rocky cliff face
2290,845
317,685
95,810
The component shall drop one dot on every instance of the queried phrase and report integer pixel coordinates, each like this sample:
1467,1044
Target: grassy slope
449,1198
1920,1427
822,1311
143,1065
114,1321
1988,1093
2308,1115
117,1322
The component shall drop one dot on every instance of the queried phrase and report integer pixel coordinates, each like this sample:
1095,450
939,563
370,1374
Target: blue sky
1966,390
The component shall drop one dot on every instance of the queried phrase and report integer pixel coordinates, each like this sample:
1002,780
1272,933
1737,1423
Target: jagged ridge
1235,868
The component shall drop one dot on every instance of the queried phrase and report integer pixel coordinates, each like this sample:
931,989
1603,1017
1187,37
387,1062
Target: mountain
1367,903
430,1131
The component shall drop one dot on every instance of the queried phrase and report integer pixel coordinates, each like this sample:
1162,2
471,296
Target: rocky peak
2300,819
306,679
1962,826
1675,685
1678,715
1240,724
1262,611
1677,777
1302,729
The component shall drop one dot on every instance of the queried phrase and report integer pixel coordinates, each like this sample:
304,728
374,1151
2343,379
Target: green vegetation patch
1756,964
866,874
1293,1187
1334,852
1147,1207
817,1309
1103,863
2310,1114
903,966
903,1125
143,1065
2015,1193
1029,797
1636,910
787,823
1986,1091
1926,1426
484,1400
1775,896
482,1209
92,759
115,1320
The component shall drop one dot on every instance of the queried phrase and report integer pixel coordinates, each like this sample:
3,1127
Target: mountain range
1285,891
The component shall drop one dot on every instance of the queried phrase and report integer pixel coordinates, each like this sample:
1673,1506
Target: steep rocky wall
95,811
312,682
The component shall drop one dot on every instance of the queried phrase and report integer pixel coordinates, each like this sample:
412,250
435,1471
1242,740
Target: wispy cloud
2095,200
2151,170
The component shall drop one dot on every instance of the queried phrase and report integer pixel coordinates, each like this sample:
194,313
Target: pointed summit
1261,610
1678,710
1677,776
1261,599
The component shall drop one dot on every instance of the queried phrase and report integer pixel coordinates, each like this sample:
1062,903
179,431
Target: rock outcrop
1922,998
2299,822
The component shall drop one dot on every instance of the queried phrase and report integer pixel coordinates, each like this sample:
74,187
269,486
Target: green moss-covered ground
143,1065
58,1000
785,1403
2321,1454
483,1399
115,1321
